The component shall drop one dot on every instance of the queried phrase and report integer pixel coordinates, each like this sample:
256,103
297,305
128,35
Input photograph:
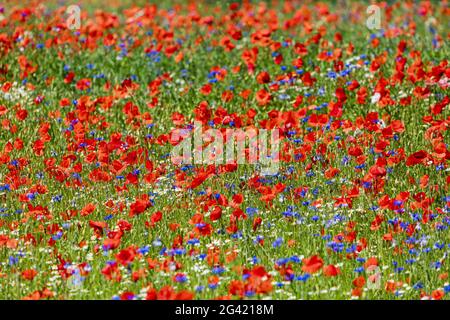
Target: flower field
93,205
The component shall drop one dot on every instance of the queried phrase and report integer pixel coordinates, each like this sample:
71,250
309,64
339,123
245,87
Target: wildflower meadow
224,150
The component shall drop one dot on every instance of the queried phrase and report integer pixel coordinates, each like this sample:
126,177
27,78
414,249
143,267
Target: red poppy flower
139,206
83,84
88,209
437,294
